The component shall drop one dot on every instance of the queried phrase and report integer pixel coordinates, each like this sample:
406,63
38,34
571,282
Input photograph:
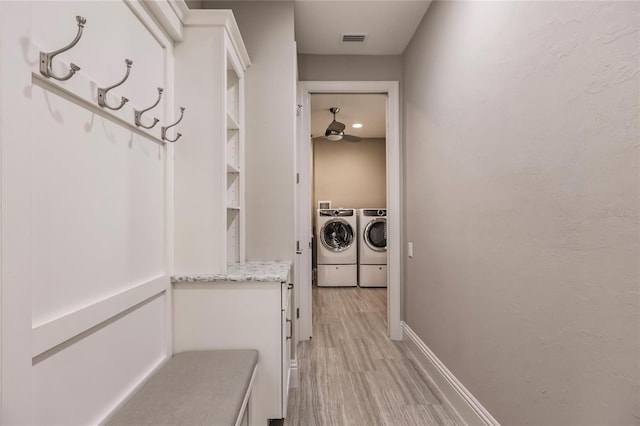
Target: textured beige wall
350,174
270,87
522,201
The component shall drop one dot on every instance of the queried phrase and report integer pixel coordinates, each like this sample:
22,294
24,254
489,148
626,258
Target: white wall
270,102
521,133
86,213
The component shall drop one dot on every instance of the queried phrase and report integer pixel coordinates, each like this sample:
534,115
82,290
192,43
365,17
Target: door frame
304,209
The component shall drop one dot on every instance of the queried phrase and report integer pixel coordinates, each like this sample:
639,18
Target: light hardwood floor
351,374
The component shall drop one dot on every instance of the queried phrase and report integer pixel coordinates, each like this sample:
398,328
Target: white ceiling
370,110
389,25
319,24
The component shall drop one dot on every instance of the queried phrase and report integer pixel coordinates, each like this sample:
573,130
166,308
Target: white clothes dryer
372,256
337,236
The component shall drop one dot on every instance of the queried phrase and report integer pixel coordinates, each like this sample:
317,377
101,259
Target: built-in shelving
209,178
232,124
233,234
233,148
234,160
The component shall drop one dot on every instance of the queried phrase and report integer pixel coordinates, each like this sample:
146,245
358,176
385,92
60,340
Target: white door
303,219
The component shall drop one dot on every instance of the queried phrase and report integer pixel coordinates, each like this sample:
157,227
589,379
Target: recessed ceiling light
357,125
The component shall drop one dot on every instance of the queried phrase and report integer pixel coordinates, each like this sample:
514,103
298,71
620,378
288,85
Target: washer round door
375,234
337,235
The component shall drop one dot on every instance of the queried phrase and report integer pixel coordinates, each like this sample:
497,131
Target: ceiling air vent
354,38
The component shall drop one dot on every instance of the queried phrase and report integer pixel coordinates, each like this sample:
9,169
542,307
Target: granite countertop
248,271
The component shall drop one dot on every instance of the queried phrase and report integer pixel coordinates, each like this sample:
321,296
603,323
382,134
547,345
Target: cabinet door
236,315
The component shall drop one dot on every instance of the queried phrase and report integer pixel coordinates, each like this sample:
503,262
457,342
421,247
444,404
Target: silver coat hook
102,92
47,58
138,114
164,129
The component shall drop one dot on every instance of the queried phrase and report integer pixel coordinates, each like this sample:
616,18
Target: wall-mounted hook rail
102,92
47,58
138,114
164,129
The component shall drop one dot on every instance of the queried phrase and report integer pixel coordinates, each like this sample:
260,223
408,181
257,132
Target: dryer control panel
374,212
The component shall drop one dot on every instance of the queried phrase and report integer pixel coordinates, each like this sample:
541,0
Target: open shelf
232,123
234,161
214,220
233,235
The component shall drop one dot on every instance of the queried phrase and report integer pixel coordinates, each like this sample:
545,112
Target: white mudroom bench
194,388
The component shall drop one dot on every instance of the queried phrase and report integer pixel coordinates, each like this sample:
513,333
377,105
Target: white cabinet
241,315
209,159
287,337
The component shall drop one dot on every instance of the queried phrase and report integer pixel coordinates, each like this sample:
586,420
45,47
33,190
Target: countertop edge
277,271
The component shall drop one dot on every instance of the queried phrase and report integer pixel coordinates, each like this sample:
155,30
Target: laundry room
349,183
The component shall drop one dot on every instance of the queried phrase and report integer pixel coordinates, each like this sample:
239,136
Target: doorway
348,138
304,211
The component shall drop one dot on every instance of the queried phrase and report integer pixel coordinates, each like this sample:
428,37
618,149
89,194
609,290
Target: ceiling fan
335,130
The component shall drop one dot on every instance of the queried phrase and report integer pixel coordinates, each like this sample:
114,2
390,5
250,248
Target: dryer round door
337,235
375,234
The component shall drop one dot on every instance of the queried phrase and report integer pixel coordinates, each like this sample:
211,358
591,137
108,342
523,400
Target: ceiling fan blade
335,127
351,138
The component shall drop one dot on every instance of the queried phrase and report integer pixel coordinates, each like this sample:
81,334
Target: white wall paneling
52,333
98,368
83,92
87,211
15,136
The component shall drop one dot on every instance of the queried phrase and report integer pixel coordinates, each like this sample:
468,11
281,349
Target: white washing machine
337,236
372,256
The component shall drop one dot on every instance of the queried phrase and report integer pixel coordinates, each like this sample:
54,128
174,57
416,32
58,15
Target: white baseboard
459,397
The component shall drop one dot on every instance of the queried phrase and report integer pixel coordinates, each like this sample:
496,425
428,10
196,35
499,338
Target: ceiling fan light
334,137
